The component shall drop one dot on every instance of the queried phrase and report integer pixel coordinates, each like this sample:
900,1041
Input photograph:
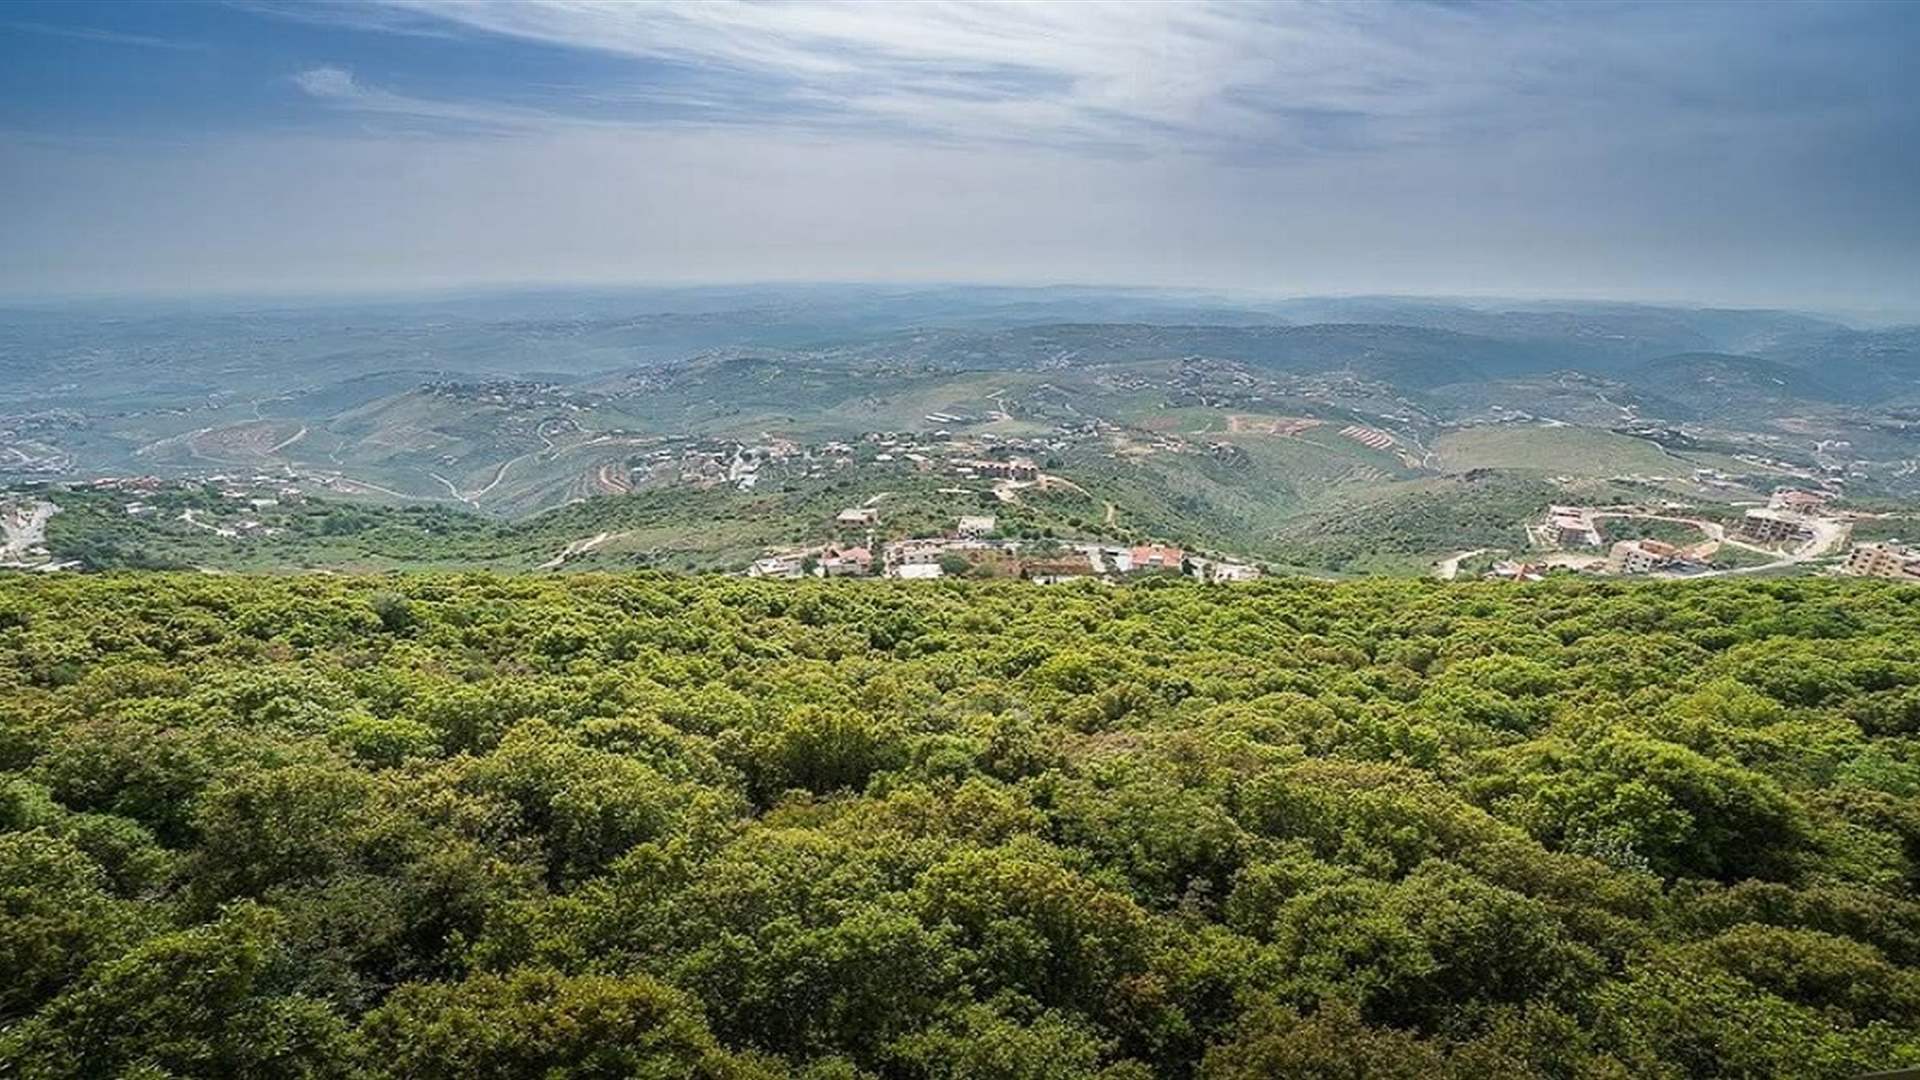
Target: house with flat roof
1883,560
1774,527
1798,500
1640,556
778,566
1016,469
1570,526
976,525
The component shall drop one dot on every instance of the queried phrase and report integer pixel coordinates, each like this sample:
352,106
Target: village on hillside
974,548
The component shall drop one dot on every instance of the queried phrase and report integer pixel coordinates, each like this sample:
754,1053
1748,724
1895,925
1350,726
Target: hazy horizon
655,297
1713,155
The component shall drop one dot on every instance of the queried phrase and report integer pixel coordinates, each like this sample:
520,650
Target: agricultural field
1554,449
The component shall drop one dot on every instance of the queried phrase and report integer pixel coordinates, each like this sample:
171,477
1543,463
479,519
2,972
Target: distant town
975,549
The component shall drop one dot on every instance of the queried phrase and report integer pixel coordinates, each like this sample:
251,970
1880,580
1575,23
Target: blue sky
1764,153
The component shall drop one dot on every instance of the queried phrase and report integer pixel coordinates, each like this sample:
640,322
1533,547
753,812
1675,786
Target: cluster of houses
1792,516
709,462
231,486
1019,469
974,548
261,491
513,394
972,456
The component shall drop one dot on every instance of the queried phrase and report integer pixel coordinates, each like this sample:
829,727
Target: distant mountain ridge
520,402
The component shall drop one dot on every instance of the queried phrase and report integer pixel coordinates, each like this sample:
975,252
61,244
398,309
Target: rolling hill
1266,423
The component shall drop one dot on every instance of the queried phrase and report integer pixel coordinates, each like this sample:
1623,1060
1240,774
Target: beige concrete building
1883,560
1798,499
1774,527
1017,469
1640,556
1570,526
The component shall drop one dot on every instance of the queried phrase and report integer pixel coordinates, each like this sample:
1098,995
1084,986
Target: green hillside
712,528
1339,447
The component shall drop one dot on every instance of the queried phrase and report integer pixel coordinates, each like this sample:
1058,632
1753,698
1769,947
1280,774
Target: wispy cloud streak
105,37
1207,74
1234,79
337,86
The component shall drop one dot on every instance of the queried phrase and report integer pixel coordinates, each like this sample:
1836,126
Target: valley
1338,448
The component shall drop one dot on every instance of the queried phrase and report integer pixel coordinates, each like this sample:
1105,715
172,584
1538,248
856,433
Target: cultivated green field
1548,449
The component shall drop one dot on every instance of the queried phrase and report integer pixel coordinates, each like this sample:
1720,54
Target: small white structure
977,525
918,571
777,566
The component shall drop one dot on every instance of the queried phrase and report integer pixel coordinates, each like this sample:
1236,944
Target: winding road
1449,568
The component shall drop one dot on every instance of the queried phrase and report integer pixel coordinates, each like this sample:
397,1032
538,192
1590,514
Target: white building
777,566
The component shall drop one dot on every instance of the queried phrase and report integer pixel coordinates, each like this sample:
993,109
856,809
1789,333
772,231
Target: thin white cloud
330,83
1231,78
105,37
1755,154
338,87
1119,72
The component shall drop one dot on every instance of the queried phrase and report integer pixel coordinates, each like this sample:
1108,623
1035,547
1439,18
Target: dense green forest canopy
655,826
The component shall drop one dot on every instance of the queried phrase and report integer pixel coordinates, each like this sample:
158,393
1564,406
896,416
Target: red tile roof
1158,555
